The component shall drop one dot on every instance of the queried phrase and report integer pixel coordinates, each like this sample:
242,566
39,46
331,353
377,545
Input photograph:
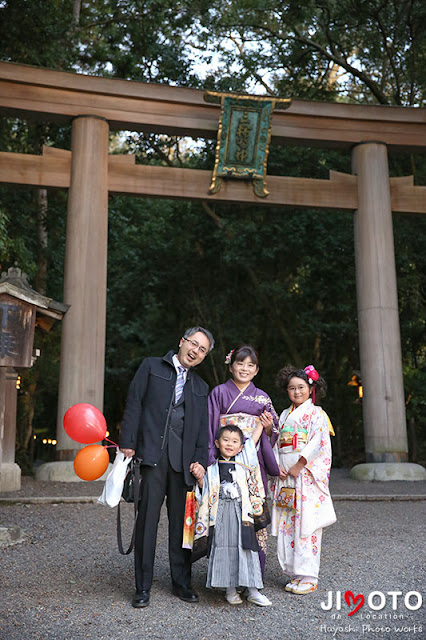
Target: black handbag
132,481
131,493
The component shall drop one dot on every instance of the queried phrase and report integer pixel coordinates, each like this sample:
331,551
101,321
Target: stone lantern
21,310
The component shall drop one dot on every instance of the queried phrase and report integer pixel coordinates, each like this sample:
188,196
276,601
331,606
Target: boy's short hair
232,428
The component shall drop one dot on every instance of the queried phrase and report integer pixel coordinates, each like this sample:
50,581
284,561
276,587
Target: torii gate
94,105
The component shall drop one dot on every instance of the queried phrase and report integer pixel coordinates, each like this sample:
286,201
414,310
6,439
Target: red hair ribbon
313,376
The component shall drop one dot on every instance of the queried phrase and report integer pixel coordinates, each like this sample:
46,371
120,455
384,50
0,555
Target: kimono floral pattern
260,399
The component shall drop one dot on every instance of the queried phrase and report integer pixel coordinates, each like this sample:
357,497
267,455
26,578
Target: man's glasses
196,346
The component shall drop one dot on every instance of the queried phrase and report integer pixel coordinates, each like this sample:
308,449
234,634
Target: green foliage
39,33
17,234
357,50
415,381
142,41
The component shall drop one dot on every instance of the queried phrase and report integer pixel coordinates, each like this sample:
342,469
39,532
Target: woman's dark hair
242,351
232,428
288,372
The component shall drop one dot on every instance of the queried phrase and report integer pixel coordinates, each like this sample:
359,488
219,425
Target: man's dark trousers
158,482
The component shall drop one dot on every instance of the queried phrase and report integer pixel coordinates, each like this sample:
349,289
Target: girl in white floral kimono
302,504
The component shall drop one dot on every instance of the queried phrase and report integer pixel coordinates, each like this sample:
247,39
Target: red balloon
84,423
91,462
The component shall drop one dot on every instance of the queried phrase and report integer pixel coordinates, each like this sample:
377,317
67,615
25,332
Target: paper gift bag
189,521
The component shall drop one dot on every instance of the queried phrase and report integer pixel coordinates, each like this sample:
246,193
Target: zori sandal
259,599
234,598
293,584
305,587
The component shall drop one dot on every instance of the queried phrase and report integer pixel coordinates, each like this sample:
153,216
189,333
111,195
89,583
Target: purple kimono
252,401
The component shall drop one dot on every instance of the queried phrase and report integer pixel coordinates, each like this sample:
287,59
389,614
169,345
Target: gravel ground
340,484
67,581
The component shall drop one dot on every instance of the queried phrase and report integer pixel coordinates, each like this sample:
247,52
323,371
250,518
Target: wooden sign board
17,322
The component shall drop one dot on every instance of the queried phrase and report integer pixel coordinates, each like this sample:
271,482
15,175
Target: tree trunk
42,238
413,439
76,6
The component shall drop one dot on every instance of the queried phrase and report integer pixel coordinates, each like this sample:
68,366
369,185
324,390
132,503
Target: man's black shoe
185,593
140,599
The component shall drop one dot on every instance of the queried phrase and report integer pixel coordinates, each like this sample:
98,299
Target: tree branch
213,215
397,93
361,75
161,153
378,93
247,66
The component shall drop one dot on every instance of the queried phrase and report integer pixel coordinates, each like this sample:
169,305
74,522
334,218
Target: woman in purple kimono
239,402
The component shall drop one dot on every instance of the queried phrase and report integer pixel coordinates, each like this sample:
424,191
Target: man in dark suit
165,425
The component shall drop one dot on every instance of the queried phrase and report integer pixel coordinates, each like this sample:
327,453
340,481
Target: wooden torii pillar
95,104
85,278
378,316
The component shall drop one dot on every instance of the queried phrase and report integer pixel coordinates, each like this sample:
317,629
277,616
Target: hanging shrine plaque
243,138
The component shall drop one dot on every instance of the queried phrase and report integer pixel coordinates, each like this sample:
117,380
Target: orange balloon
91,462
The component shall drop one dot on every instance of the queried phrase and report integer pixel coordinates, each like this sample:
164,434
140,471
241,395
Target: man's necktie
180,381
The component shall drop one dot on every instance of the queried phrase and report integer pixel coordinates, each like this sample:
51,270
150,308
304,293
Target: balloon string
110,446
112,441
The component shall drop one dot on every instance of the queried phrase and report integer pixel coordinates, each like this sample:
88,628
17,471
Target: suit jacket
147,413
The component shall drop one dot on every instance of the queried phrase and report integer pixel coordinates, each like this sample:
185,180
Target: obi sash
291,438
244,421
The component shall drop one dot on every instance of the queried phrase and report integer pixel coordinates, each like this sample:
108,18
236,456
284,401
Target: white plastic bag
113,488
